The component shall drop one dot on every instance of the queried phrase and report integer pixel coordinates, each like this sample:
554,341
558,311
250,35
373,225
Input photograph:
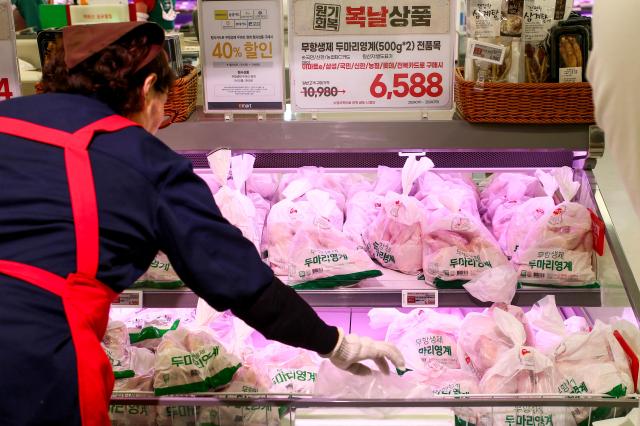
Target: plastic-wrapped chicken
335,383
285,368
593,363
263,184
132,366
192,361
426,338
246,381
482,339
151,333
549,327
457,247
507,188
462,183
160,274
394,237
225,327
332,183
628,335
132,415
558,249
284,220
321,256
235,206
363,206
520,369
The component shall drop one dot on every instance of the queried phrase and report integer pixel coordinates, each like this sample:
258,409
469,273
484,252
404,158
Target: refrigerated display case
282,146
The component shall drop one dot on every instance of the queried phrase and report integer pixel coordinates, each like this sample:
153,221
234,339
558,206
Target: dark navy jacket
149,199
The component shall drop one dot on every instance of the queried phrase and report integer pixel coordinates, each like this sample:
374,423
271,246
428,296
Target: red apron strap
36,276
82,191
34,132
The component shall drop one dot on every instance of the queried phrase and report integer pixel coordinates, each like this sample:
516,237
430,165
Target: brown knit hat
83,41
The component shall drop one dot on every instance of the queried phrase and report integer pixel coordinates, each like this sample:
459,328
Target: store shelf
221,399
370,297
251,135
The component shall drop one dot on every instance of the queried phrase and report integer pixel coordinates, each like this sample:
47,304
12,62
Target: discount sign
371,54
9,77
243,65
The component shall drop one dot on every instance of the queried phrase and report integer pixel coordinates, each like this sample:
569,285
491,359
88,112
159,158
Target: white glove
351,349
142,17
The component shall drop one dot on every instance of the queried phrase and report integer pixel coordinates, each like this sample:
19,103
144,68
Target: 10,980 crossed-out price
415,85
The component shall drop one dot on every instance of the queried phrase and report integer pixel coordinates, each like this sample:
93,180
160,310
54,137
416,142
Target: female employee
88,197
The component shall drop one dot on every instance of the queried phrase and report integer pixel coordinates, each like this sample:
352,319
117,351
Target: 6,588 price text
415,85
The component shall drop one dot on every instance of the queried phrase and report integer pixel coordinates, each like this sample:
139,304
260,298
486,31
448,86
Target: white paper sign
242,55
99,13
371,54
9,75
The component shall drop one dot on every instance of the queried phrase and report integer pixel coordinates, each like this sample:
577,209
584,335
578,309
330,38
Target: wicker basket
182,97
524,103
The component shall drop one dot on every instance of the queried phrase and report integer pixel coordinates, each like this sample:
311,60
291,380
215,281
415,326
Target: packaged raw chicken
426,338
559,247
247,381
160,274
457,247
336,383
151,333
333,183
231,331
548,325
126,361
192,361
482,339
363,206
284,220
394,237
234,205
321,256
505,188
263,184
593,363
461,185
132,415
290,370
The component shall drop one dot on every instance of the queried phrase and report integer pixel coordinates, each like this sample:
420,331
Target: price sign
98,13
371,54
9,76
242,55
419,298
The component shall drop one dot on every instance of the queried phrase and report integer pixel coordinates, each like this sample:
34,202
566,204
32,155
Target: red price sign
5,90
415,85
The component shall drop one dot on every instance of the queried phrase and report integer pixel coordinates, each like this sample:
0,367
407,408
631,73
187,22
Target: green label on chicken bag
178,371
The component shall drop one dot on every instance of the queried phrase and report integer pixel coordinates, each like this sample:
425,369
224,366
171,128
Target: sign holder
9,68
242,56
325,52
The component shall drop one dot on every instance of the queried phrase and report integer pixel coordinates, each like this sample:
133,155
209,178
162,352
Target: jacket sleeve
613,73
221,266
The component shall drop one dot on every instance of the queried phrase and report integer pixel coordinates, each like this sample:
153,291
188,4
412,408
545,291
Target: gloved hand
351,349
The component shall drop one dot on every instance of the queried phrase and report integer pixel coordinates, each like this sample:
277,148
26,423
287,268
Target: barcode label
419,298
487,52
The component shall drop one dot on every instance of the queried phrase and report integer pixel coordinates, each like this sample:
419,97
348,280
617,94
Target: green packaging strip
222,378
337,280
151,332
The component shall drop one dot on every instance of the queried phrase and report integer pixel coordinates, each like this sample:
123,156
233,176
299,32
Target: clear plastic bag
321,256
393,239
192,361
425,337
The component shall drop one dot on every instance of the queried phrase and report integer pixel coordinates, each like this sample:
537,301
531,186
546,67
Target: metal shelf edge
359,298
